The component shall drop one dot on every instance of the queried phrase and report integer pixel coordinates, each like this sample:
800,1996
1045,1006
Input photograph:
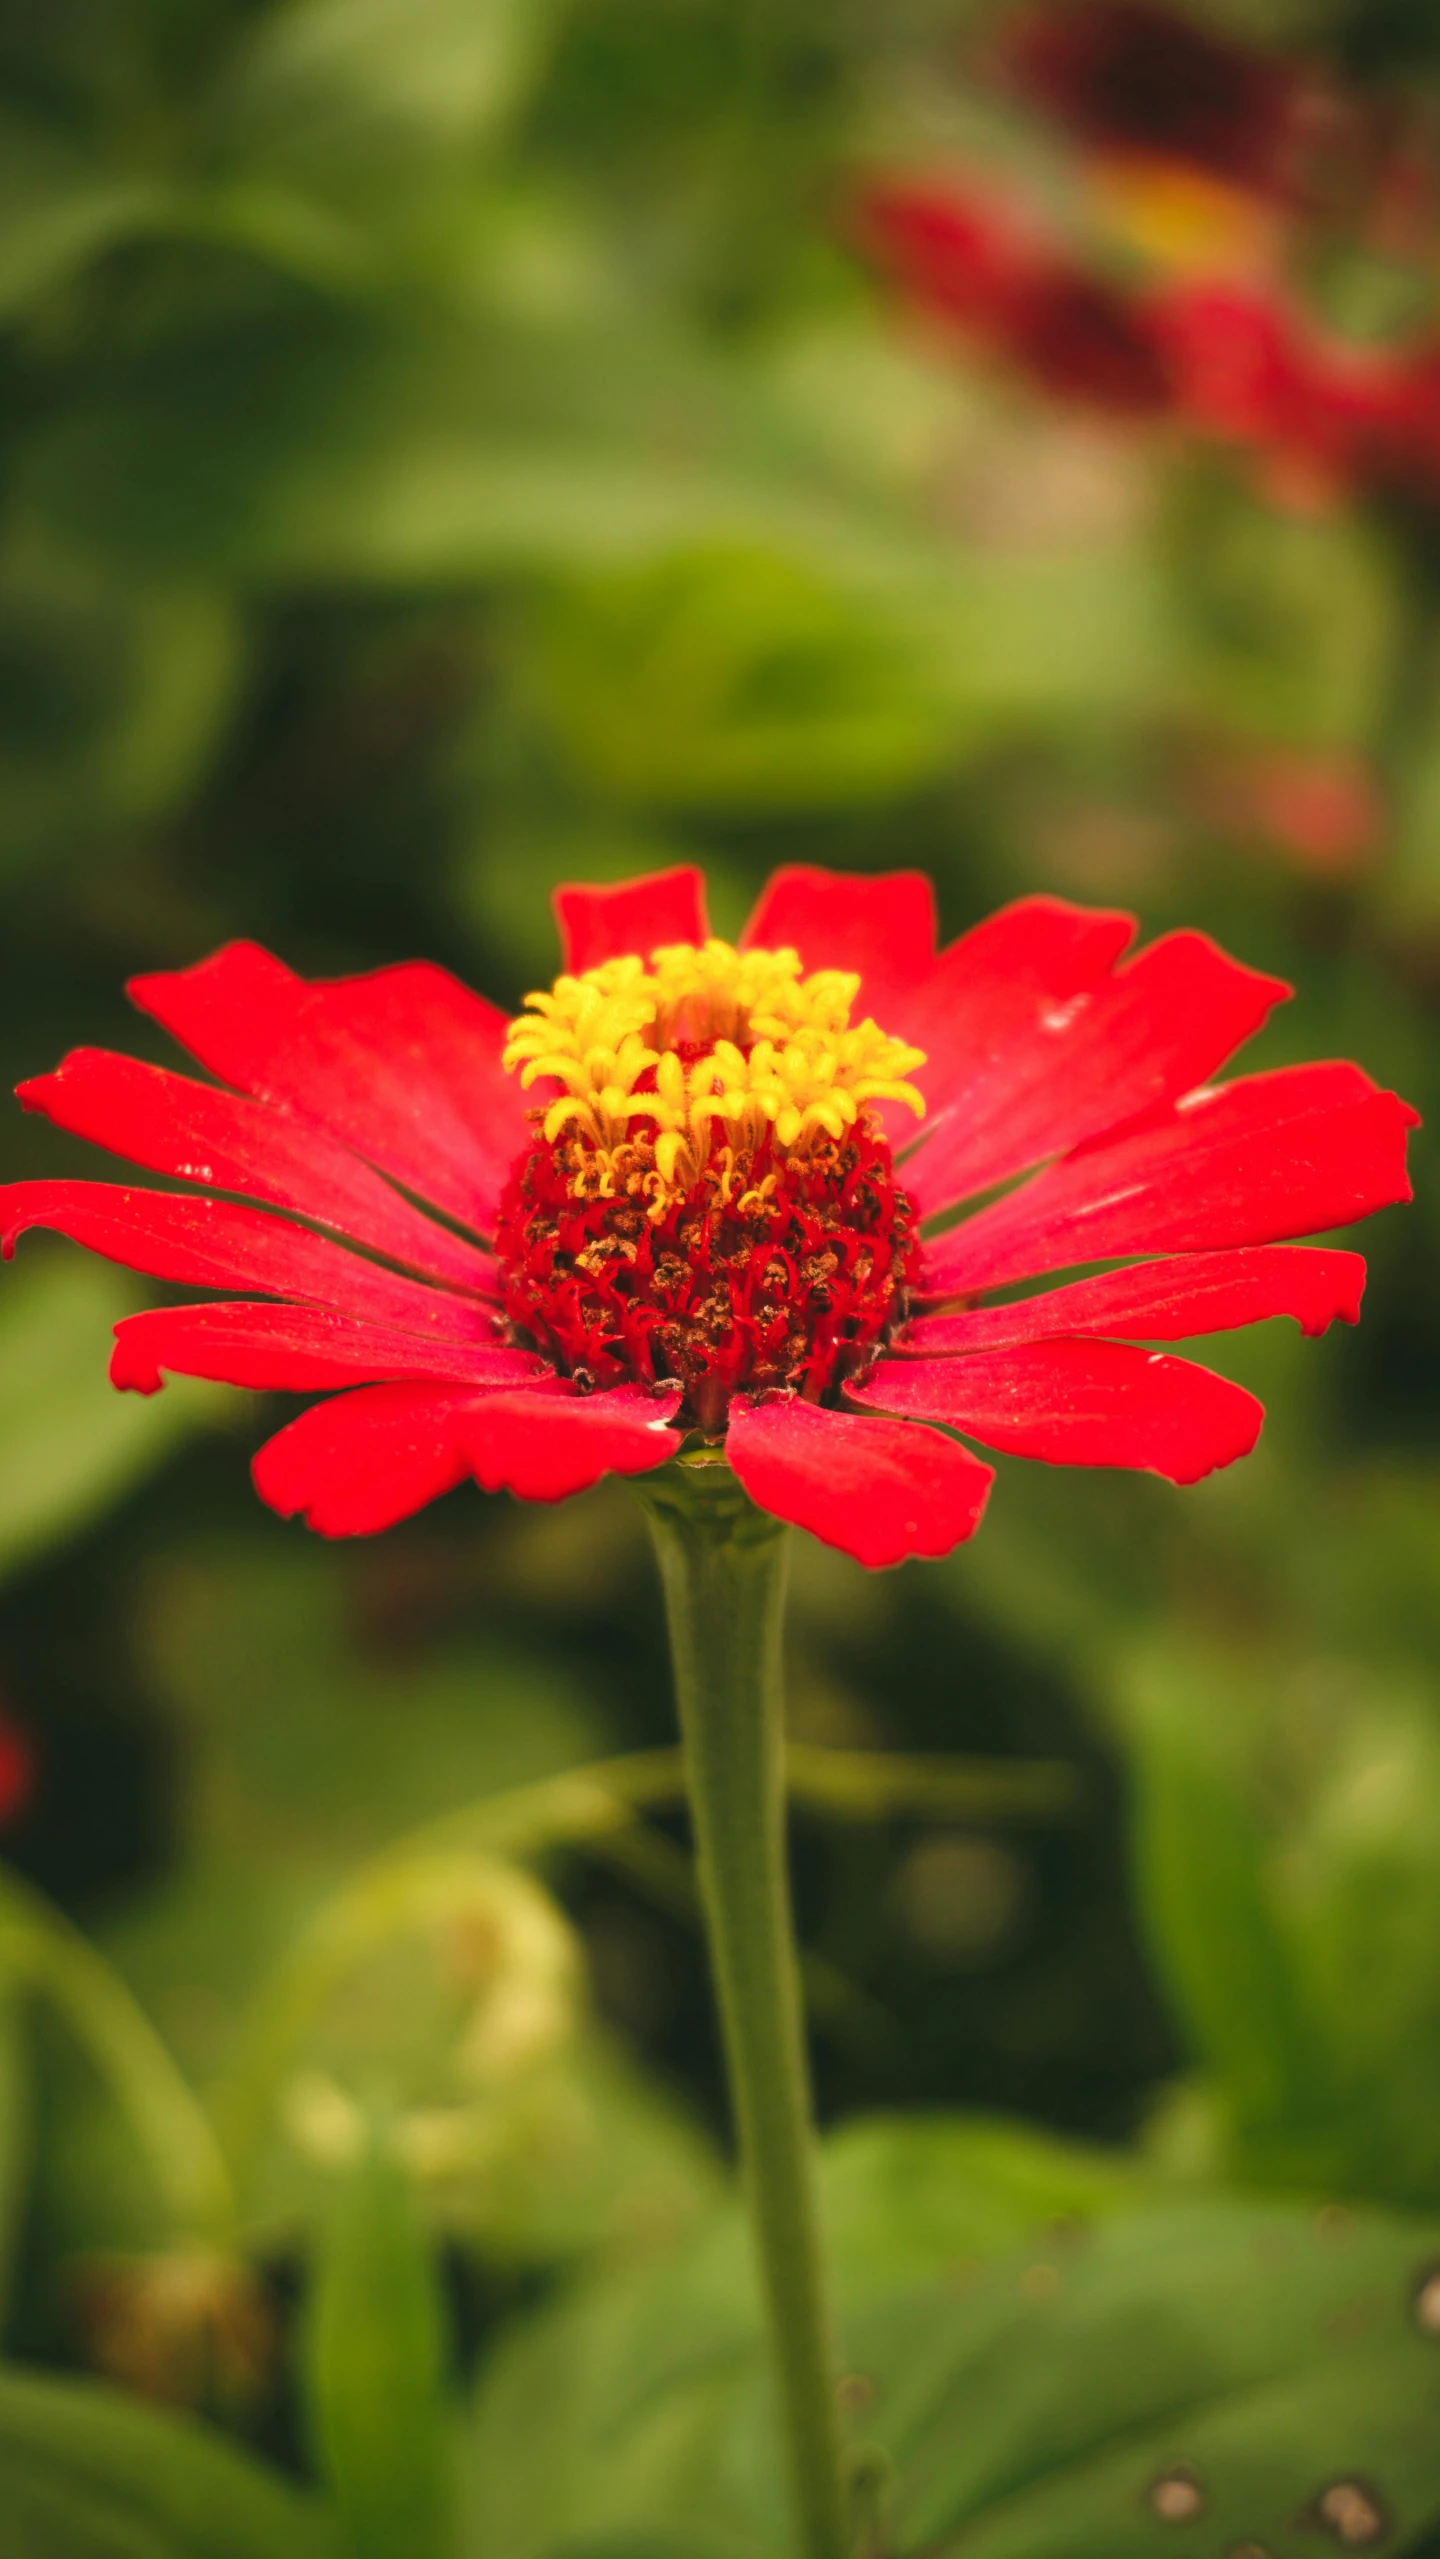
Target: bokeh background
452,446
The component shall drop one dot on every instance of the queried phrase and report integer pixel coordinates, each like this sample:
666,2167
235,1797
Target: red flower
17,1768
1229,360
1247,367
1130,78
1323,806
974,264
705,1210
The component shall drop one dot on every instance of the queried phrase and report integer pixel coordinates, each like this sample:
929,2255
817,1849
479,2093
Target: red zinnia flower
976,264
1249,368
1227,359
701,1176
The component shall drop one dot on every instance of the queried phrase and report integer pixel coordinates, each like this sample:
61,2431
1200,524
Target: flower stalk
722,1564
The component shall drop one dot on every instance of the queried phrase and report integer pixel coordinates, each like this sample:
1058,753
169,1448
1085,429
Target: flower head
710,1198
706,1193
987,269
1226,358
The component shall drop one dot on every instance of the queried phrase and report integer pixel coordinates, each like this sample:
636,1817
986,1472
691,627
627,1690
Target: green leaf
635,2404
1255,2353
323,70
734,679
1280,2468
640,2400
1028,2405
59,210
907,2195
1358,1883
374,2368
1293,1900
165,2119
72,1445
90,2475
1204,1886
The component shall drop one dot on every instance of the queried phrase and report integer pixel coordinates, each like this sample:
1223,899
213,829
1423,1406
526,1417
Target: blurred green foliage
68,1451
446,448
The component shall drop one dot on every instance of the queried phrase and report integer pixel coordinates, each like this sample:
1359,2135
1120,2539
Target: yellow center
699,1034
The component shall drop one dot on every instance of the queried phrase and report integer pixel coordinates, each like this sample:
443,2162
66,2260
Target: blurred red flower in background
1322,806
973,263
711,1219
1221,357
1248,368
17,1767
1224,348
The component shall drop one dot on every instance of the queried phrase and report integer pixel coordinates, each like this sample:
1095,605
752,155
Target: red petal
980,1011
639,915
1080,1404
1126,1044
173,1125
1289,1153
297,1350
1166,1301
205,1243
881,925
359,1462
543,1443
878,1490
403,1064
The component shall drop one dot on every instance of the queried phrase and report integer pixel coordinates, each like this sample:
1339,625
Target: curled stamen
705,1049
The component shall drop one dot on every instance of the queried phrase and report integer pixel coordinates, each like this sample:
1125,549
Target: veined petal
1165,1301
207,1243
981,1010
401,1064
1123,1045
881,925
299,1350
359,1462
970,1007
1079,1404
879,1490
173,1125
1289,1153
638,915
543,1443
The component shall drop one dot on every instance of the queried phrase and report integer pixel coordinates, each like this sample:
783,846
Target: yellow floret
768,1047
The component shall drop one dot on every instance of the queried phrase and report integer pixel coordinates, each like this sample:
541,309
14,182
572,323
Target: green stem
169,2123
722,1563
